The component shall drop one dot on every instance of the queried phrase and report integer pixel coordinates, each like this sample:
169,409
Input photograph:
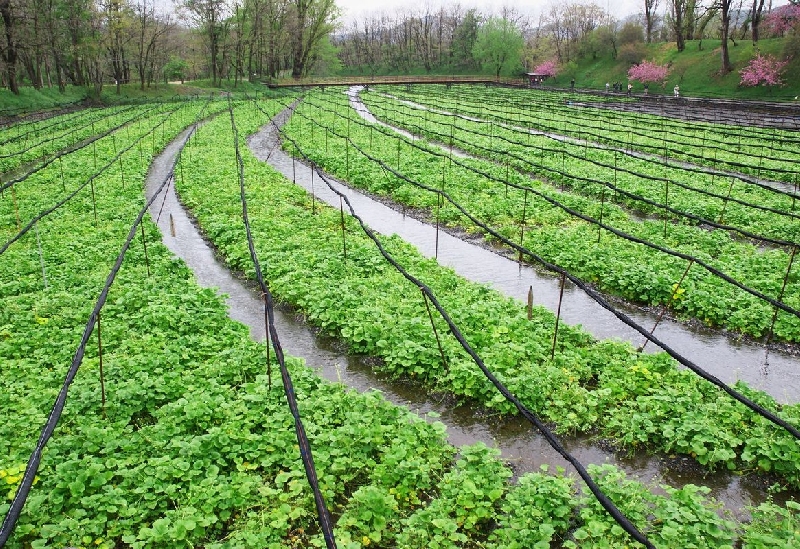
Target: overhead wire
559,138
44,213
658,206
51,138
69,150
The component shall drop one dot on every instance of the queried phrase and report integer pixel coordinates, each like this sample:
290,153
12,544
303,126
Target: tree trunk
726,23
10,56
755,18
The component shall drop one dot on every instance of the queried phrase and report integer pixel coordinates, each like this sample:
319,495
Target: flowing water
517,440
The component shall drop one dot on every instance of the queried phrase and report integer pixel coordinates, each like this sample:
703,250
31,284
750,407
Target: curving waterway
517,440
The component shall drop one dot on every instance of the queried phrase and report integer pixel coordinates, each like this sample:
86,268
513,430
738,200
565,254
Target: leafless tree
650,15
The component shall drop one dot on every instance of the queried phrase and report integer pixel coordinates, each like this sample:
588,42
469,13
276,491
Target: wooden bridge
408,80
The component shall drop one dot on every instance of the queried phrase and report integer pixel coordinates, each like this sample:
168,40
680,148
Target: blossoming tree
764,70
648,71
548,68
782,19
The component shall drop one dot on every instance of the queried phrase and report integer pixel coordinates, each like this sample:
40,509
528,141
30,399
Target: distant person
630,88
646,89
676,90
607,86
572,84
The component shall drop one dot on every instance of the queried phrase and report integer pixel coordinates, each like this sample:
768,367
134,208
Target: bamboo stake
775,309
16,207
558,316
522,224
435,332
344,240
41,255
144,245
102,375
530,303
664,306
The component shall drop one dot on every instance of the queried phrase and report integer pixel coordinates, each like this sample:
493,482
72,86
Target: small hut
535,79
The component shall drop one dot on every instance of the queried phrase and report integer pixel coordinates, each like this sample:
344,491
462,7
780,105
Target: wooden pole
435,332
102,375
530,303
558,316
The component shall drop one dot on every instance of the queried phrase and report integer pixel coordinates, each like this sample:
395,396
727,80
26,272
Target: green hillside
696,70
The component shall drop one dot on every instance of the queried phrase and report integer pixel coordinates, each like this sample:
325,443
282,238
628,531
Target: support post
558,316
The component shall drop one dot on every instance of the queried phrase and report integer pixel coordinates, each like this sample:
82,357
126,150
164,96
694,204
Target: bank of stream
519,444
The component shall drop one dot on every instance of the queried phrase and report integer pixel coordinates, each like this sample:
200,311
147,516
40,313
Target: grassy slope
695,70
30,99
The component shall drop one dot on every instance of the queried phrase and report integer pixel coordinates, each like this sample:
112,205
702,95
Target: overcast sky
618,8
357,8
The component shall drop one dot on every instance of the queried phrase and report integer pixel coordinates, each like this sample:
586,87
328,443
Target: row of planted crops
173,433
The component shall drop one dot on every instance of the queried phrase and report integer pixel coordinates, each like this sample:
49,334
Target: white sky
618,8
357,8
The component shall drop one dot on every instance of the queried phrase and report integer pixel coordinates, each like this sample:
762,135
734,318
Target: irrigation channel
523,448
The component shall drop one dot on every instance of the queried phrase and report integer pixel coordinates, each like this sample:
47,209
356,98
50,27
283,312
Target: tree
175,69
725,6
464,37
648,71
117,25
311,21
678,22
498,45
548,68
10,49
650,9
571,24
755,18
150,33
209,16
764,70
782,19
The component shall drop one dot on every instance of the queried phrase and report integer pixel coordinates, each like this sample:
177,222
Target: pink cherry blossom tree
764,70
782,19
548,68
648,71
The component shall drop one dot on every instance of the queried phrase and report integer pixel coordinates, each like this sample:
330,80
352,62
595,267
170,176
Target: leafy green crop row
625,268
587,170
45,145
365,302
769,153
194,449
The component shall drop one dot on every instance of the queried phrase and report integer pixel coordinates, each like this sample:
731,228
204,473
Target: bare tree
571,23
151,29
755,18
210,16
725,8
678,22
9,50
650,9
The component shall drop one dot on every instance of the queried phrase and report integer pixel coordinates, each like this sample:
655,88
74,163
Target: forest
95,43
